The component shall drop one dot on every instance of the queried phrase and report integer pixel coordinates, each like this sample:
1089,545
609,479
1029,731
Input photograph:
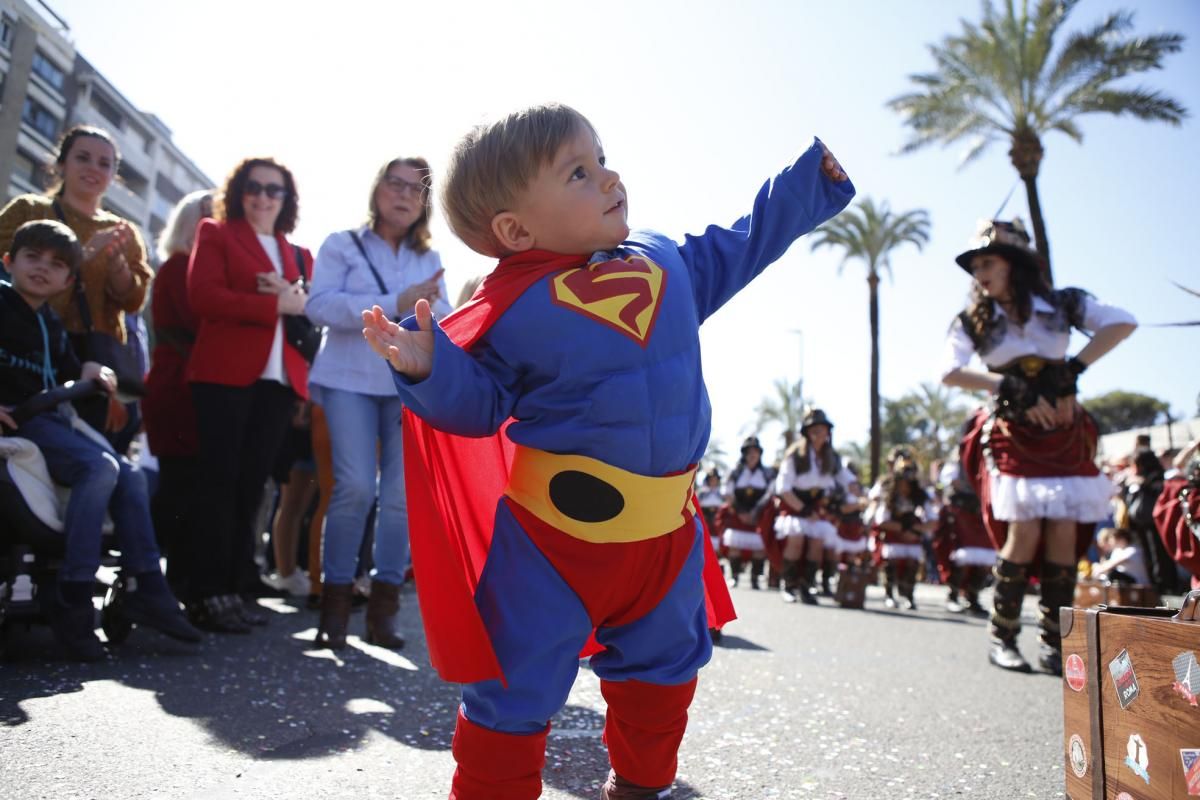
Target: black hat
815,417
751,441
1009,239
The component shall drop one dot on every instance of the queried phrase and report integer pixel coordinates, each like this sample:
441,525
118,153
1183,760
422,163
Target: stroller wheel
112,615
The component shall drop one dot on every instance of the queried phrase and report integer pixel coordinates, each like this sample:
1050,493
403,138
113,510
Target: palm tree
870,233
999,80
784,407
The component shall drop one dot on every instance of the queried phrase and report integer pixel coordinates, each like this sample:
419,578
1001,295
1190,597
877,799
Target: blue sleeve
793,203
466,394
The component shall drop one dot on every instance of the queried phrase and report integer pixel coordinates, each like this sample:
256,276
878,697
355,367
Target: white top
1134,564
1046,334
274,371
710,497
811,478
925,512
748,479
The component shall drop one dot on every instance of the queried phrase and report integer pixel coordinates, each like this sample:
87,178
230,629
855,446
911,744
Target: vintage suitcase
851,588
1131,702
1089,593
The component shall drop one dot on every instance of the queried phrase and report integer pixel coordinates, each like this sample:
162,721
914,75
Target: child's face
38,275
575,204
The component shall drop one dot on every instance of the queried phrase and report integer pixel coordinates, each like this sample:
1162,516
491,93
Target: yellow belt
597,502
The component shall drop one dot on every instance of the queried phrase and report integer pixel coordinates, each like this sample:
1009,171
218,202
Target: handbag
298,329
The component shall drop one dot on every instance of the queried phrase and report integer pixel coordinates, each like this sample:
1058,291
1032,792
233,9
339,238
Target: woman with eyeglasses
116,273
245,376
386,262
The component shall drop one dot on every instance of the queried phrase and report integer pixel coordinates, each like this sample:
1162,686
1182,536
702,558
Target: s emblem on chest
624,294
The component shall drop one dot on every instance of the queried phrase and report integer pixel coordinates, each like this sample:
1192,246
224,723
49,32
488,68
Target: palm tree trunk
873,283
1026,156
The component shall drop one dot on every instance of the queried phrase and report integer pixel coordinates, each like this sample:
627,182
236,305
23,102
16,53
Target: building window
47,70
167,190
108,111
40,119
28,167
7,26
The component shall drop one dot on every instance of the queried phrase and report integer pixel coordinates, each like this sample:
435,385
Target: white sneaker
297,584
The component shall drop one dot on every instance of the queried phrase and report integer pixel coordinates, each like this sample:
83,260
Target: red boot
496,766
643,729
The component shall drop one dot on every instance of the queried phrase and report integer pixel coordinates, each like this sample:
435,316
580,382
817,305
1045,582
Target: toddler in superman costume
552,431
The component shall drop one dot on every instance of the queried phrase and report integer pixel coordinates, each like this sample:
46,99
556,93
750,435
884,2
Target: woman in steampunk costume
749,491
901,516
1031,456
812,486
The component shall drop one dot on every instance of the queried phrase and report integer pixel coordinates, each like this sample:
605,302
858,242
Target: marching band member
749,490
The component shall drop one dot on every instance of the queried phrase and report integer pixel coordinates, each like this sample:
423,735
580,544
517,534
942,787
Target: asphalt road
798,702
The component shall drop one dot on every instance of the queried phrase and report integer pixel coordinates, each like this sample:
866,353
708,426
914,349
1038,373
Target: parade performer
1177,518
812,474
964,550
552,429
1030,458
852,544
749,490
902,514
710,497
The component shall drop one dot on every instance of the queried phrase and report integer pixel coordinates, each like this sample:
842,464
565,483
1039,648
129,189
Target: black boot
906,578
735,571
1009,592
146,600
1058,590
828,570
808,594
889,584
756,571
73,621
976,578
789,585
953,604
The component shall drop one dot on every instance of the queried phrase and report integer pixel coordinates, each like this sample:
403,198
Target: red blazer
237,324
167,407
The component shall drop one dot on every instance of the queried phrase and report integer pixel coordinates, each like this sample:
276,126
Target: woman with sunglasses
245,376
116,274
386,262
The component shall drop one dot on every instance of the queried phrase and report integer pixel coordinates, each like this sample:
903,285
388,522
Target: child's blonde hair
494,163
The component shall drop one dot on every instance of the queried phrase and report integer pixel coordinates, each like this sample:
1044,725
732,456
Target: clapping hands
409,352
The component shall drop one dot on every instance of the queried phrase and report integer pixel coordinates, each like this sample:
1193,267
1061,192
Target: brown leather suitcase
1131,702
851,590
1089,593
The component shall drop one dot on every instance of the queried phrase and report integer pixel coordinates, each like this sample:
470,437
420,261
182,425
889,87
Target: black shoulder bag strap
85,313
382,286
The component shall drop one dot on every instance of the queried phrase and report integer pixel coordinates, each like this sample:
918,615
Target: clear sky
697,104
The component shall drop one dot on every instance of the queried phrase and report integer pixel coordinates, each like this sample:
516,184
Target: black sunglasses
273,190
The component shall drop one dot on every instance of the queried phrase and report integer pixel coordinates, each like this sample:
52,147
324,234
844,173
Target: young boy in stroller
35,355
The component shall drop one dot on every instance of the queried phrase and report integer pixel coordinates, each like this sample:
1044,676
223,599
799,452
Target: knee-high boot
1008,594
808,594
975,580
789,585
494,765
1058,590
906,580
642,730
756,571
955,580
735,569
889,584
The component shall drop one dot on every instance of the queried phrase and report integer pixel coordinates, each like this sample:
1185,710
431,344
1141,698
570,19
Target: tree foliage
1121,411
928,420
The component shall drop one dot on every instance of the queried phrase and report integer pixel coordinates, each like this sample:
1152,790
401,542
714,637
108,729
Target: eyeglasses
272,190
401,186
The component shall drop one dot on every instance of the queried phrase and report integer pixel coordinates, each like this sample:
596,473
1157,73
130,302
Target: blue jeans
100,481
364,433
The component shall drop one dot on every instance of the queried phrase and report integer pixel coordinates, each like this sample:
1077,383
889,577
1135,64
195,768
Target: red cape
1177,537
453,485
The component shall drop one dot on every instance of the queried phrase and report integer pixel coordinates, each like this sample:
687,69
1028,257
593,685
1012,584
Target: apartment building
46,86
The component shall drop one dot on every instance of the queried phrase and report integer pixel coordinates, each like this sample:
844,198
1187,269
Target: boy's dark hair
494,163
52,235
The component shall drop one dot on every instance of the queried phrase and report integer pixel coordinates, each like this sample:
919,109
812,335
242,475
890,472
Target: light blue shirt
342,286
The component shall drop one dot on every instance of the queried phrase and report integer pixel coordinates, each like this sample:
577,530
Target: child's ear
512,235
6,259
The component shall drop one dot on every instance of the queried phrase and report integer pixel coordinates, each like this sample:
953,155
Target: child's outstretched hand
409,352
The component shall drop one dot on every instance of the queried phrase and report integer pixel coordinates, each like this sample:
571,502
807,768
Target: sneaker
297,584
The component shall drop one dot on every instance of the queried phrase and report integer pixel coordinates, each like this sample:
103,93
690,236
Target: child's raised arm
409,352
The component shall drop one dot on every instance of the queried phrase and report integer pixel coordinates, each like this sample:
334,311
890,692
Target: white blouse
811,478
756,478
1047,334
273,370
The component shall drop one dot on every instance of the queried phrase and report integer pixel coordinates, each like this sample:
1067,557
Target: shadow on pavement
729,642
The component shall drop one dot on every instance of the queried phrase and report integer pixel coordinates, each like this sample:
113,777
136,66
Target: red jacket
167,406
237,323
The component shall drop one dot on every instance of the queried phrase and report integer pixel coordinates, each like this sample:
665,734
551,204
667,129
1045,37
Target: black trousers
241,429
171,510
